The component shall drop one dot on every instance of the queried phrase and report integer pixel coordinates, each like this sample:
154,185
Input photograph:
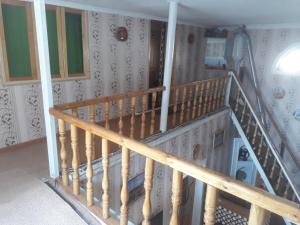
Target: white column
44,62
168,63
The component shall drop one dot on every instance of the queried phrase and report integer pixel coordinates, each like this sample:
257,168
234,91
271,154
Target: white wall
180,144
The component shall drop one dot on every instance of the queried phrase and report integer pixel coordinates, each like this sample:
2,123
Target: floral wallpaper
115,67
280,92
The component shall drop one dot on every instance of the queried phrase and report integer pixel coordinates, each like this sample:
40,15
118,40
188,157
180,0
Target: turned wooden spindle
121,110
257,215
75,159
63,151
210,96
183,105
124,190
89,169
176,197
202,85
152,127
75,113
222,99
236,108
273,169
106,114
195,101
143,119
210,205
148,187
175,106
219,96
206,97
92,115
132,119
215,97
260,145
243,112
255,134
278,183
248,124
286,190
266,158
189,102
105,179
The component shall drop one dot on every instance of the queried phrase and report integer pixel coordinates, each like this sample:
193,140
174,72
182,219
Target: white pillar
168,63
44,62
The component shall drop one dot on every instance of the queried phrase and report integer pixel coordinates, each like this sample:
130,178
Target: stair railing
239,102
261,201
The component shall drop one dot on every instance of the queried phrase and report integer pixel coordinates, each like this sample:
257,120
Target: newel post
44,63
168,63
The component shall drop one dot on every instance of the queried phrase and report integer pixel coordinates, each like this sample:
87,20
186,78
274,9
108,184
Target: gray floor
24,198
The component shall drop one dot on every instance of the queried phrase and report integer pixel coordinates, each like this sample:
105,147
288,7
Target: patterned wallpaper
115,67
280,92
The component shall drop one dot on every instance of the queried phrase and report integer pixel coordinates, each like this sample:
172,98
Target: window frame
62,45
32,42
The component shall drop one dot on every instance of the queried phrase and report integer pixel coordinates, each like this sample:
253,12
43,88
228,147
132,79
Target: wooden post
148,187
257,215
92,114
106,114
63,152
143,119
152,127
132,119
75,161
176,197
89,169
105,179
124,191
121,109
189,102
175,106
182,105
210,205
195,101
200,98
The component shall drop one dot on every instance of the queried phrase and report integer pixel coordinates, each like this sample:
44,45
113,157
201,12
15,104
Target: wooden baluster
266,158
222,102
217,87
219,98
106,114
175,106
182,105
89,169
152,127
63,152
272,173
278,181
105,179
243,112
248,125
121,109
124,191
176,197
260,145
210,97
148,187
143,119
210,205
286,191
92,115
202,85
195,101
132,119
236,108
75,161
257,215
255,134
206,97
189,102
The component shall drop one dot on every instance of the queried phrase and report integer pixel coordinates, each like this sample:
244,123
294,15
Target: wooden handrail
255,196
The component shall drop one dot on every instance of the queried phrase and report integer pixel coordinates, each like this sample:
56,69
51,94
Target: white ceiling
204,12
